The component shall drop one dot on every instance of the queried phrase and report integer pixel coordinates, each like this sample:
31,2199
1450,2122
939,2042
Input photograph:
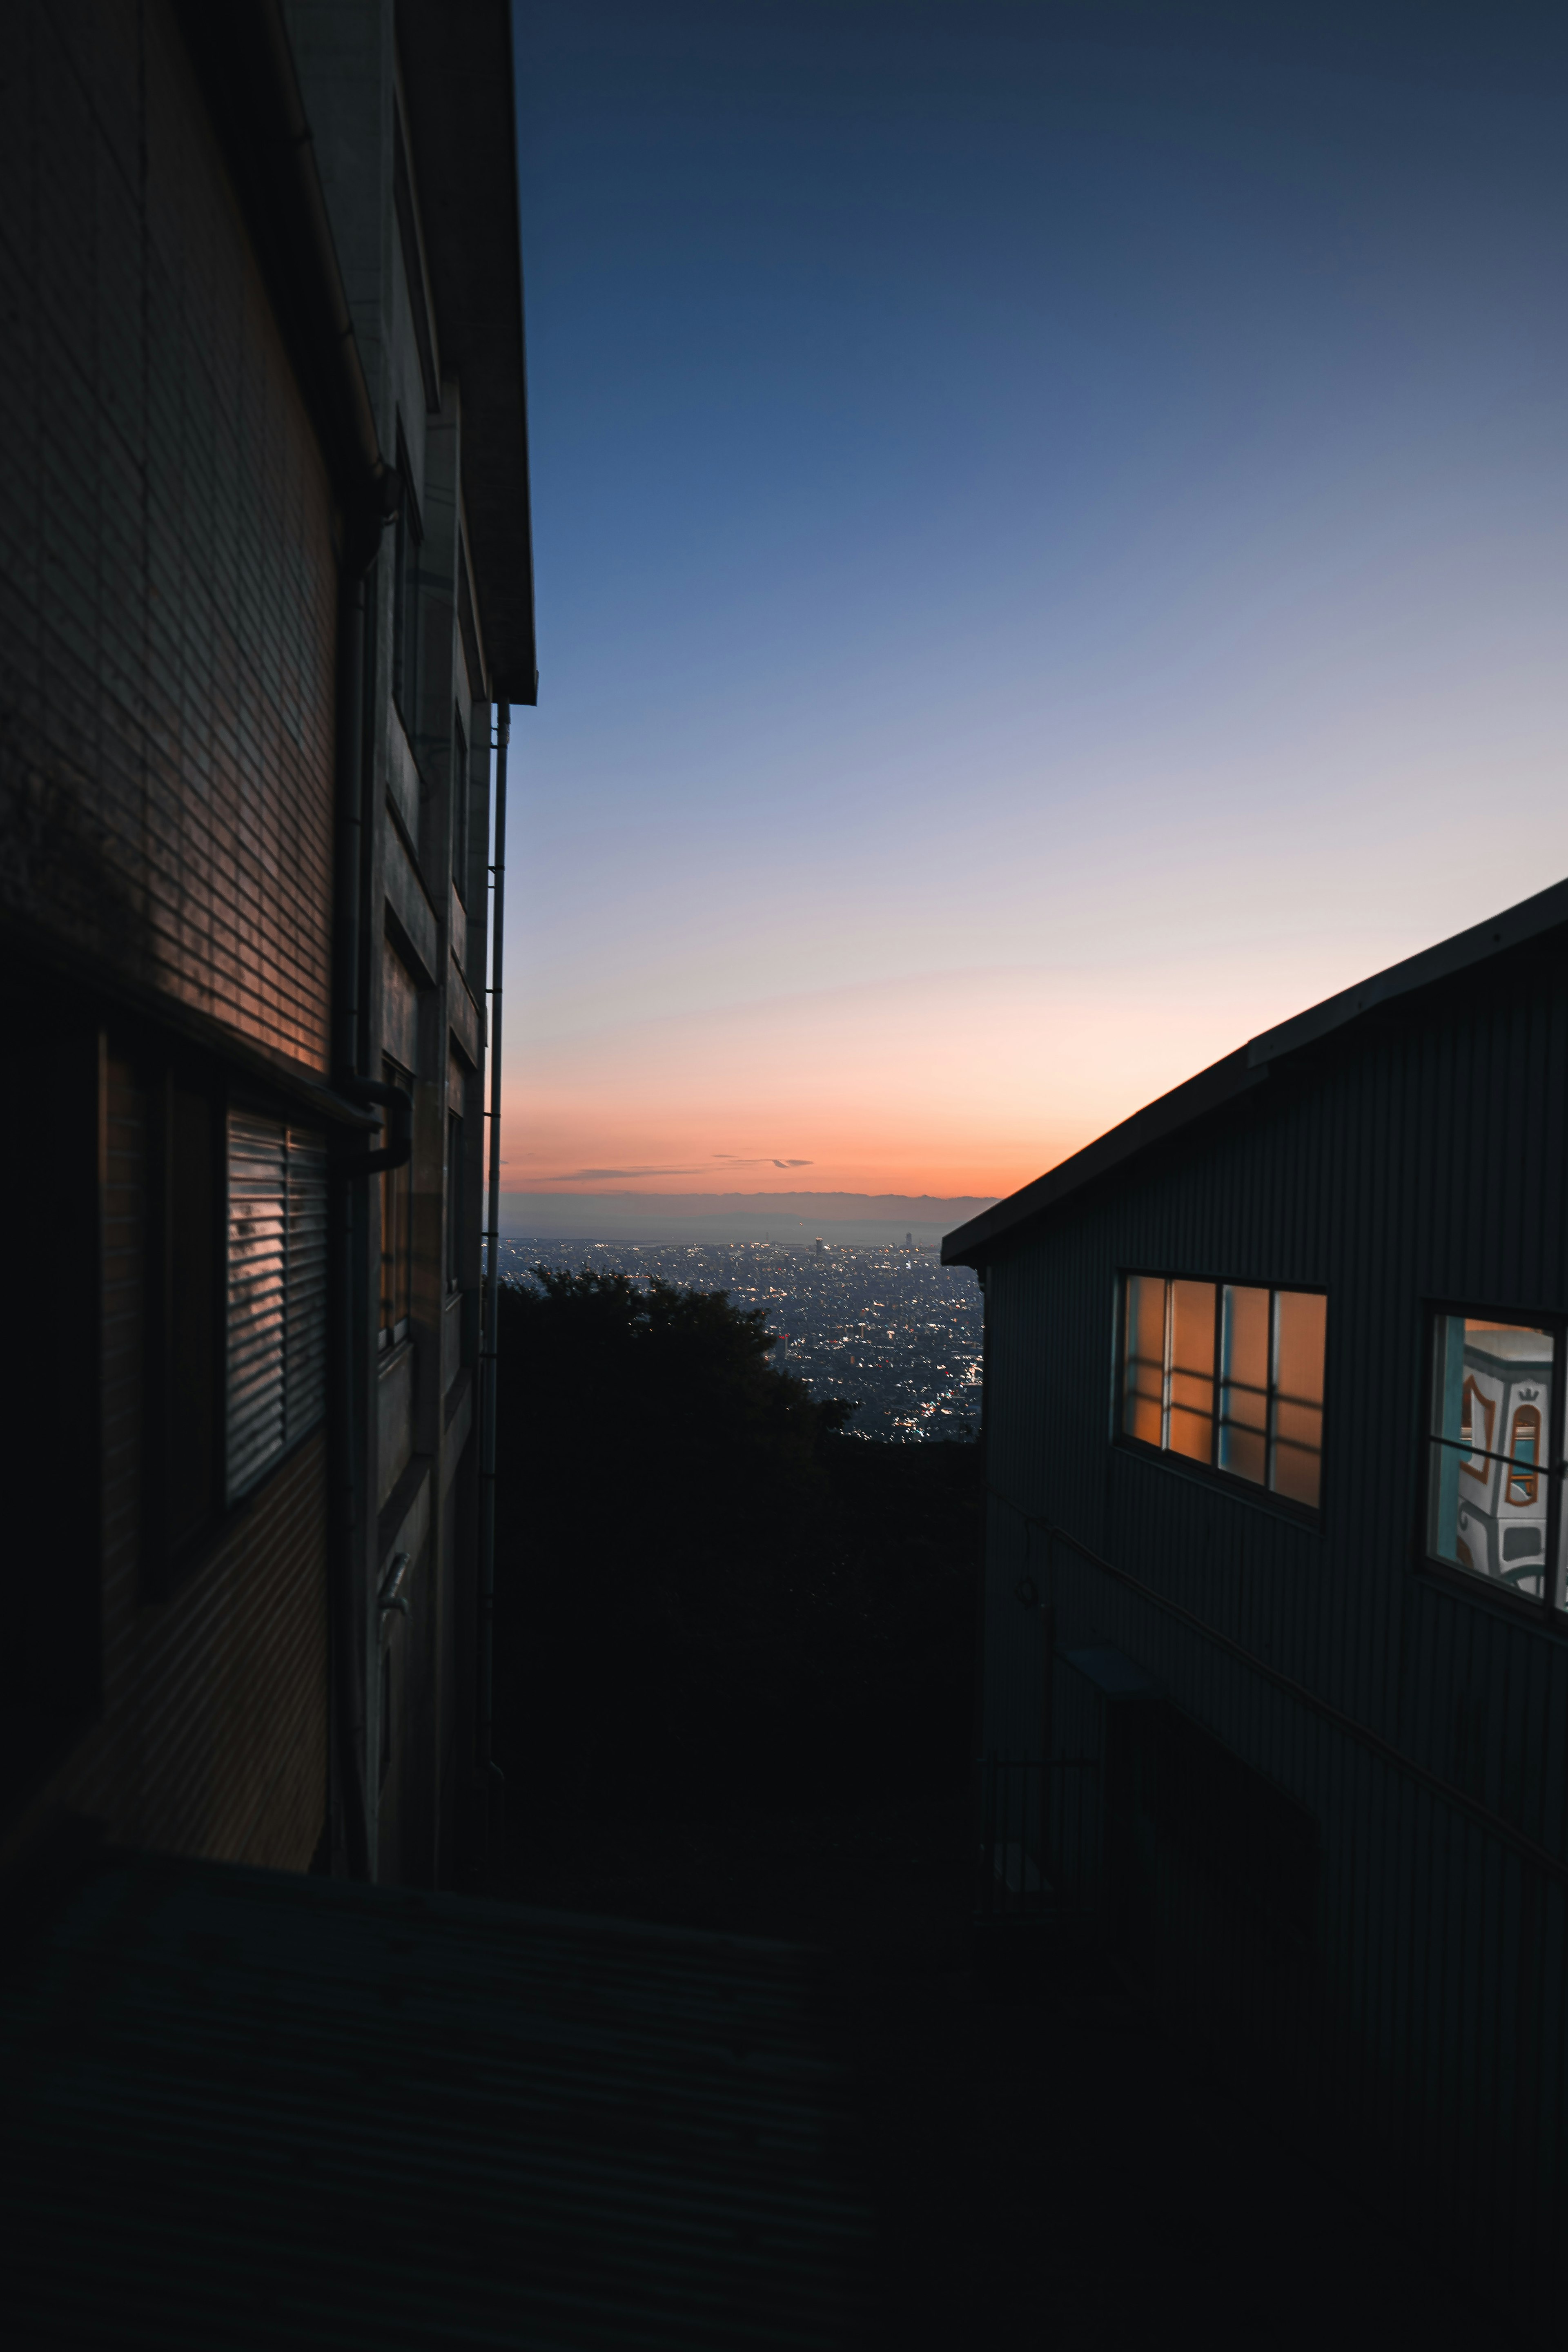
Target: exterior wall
168,595
1425,1163
212,1737
1410,1987
172,763
346,62
167,580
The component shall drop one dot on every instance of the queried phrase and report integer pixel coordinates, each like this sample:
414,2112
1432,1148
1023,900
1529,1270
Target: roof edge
1223,1080
1220,1083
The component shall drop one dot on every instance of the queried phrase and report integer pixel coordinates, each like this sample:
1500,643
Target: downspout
350,1838
351,1297
492,1789
244,62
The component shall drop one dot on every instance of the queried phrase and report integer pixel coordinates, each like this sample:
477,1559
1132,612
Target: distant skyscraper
821,1250
909,1241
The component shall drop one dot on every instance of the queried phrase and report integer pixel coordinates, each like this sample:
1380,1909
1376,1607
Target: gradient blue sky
1052,543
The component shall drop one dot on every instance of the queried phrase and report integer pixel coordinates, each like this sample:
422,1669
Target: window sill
1219,1482
1490,1592
400,1347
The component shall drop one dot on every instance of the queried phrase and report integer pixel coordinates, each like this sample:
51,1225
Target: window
1491,1488
276,1337
405,599
397,1235
182,1466
456,1224
459,805
1228,1375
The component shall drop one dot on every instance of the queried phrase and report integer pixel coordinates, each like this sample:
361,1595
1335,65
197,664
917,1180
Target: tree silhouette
704,1590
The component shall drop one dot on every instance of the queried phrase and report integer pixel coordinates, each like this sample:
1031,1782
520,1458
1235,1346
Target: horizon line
521,1194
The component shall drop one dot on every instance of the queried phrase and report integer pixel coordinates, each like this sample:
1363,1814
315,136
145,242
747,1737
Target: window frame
461,812
1541,1609
168,1559
241,1101
408,539
1209,1472
390,1336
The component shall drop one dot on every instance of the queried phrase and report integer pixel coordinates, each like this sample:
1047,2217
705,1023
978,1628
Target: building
266,597
1275,1644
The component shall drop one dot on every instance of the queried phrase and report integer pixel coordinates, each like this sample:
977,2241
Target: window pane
1446,1538
1300,1317
1192,1327
193,1377
1192,1370
1244,1452
1246,1336
1488,1489
1298,1424
1298,1474
1244,1398
1146,1343
1192,1434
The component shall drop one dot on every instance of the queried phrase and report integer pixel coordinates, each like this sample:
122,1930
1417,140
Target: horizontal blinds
276,1292
305,1383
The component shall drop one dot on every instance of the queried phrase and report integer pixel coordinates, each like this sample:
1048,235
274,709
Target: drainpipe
350,1294
492,1784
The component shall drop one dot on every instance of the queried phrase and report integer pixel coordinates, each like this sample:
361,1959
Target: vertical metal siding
1422,1158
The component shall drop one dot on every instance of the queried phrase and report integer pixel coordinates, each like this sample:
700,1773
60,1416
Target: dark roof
246,2109
1199,1097
462,114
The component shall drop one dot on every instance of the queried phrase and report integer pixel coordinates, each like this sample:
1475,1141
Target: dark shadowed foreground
734,1694
1049,2168
250,2109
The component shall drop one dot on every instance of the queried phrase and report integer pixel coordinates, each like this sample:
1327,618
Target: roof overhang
461,102
1223,1082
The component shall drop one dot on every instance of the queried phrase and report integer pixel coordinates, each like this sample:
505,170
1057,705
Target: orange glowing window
1229,1375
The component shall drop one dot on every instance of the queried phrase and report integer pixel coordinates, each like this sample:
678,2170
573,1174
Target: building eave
460,95
1210,1090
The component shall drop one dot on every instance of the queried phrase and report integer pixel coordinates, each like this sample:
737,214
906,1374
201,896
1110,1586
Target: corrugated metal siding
255,2110
1423,1158
167,580
277,1347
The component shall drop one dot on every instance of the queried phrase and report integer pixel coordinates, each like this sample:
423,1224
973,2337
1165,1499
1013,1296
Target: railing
1040,1837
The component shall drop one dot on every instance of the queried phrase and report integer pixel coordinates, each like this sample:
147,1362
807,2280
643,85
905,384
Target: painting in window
1487,1488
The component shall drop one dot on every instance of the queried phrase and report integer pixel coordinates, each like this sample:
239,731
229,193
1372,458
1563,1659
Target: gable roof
1198,1097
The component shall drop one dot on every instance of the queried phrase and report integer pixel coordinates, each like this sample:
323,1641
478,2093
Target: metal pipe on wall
493,1786
349,1824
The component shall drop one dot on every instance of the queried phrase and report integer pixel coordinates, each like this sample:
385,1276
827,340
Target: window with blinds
277,1350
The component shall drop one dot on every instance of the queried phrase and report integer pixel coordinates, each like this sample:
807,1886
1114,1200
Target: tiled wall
167,584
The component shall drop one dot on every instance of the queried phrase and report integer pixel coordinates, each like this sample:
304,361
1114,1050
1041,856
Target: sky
1051,554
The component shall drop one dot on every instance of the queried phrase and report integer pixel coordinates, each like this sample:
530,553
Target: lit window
1490,1480
277,1309
1229,1375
